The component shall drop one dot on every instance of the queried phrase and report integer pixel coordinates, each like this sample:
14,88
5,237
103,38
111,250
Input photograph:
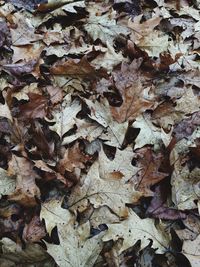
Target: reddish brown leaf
35,108
74,67
149,174
73,158
34,231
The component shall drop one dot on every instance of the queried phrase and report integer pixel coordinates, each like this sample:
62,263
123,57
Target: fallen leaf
148,135
34,231
120,168
133,229
26,188
53,214
35,108
73,158
101,191
103,26
134,103
73,238
7,184
191,250
148,174
74,67
65,116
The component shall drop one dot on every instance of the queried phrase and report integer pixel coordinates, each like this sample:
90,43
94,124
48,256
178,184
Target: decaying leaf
99,130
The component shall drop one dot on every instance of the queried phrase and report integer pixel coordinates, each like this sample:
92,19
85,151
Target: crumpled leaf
27,4
4,34
133,229
101,191
66,5
74,67
134,103
20,68
185,186
24,34
108,60
34,231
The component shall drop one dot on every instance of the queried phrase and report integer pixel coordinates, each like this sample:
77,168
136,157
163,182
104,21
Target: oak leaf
148,174
64,116
104,26
133,229
102,191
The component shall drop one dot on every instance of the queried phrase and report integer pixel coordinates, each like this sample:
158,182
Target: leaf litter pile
99,133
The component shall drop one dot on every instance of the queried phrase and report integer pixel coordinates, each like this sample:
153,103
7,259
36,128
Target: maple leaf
101,191
133,229
149,174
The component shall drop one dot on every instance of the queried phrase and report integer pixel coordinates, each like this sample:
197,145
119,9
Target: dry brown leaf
73,158
148,175
74,67
26,190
